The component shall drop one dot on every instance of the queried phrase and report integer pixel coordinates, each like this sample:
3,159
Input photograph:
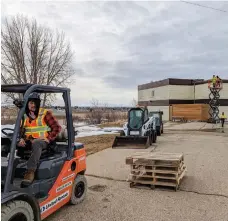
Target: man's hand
21,143
45,139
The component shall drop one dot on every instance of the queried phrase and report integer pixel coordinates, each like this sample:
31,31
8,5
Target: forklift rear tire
17,210
79,190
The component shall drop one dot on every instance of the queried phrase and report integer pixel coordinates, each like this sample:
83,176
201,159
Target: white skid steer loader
139,132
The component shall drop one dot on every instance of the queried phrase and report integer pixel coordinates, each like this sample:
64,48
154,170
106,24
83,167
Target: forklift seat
51,160
47,168
25,152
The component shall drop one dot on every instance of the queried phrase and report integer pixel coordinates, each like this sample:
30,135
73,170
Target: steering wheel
7,134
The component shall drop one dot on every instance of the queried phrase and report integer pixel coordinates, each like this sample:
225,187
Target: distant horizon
78,106
105,103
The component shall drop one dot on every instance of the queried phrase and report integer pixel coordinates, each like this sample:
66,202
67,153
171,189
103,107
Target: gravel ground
110,163
117,202
205,158
203,194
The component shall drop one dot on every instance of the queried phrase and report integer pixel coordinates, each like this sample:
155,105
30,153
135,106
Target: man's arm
52,122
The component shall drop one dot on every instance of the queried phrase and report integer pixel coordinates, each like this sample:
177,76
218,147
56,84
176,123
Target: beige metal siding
224,92
223,109
202,91
165,110
181,92
159,93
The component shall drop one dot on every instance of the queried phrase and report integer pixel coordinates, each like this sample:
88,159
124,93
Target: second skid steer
139,132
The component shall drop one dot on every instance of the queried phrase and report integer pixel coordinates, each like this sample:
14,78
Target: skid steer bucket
131,142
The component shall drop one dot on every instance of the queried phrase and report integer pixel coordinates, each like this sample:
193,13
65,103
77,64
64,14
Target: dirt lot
113,124
95,144
203,193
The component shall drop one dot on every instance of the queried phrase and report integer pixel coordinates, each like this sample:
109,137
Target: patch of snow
79,124
89,128
93,133
8,126
11,126
84,131
93,130
109,129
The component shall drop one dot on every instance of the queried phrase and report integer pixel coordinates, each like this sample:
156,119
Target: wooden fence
198,112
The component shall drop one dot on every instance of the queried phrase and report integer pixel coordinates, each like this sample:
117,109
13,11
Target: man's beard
32,114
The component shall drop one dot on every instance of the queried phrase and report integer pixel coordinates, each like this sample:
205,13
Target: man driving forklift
39,128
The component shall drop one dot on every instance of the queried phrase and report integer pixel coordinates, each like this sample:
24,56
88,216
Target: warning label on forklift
65,185
82,158
54,202
68,177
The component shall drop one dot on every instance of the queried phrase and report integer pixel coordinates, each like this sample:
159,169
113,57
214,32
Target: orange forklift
60,176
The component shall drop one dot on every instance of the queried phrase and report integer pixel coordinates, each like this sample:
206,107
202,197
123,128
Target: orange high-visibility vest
38,127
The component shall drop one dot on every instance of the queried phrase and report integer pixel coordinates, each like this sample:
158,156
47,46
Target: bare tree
134,102
32,53
98,112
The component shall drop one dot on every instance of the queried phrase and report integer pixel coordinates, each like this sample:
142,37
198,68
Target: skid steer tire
148,142
151,139
79,190
17,210
154,137
122,133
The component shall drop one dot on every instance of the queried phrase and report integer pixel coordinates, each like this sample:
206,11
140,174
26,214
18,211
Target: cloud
119,45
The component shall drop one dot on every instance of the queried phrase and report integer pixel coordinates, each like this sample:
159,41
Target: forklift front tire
79,190
17,210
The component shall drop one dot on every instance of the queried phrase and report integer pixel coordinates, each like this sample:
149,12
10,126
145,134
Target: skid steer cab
59,178
139,132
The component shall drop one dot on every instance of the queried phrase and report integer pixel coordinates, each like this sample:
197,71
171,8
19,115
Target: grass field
8,116
119,123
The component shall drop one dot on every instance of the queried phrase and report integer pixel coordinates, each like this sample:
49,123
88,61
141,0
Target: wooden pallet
155,180
156,169
155,158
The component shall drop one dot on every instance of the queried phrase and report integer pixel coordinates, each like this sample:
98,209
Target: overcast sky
119,45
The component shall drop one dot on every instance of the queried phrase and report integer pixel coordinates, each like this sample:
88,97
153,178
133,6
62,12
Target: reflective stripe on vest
223,116
39,130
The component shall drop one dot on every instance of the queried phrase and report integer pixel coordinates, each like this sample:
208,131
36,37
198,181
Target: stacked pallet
156,169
